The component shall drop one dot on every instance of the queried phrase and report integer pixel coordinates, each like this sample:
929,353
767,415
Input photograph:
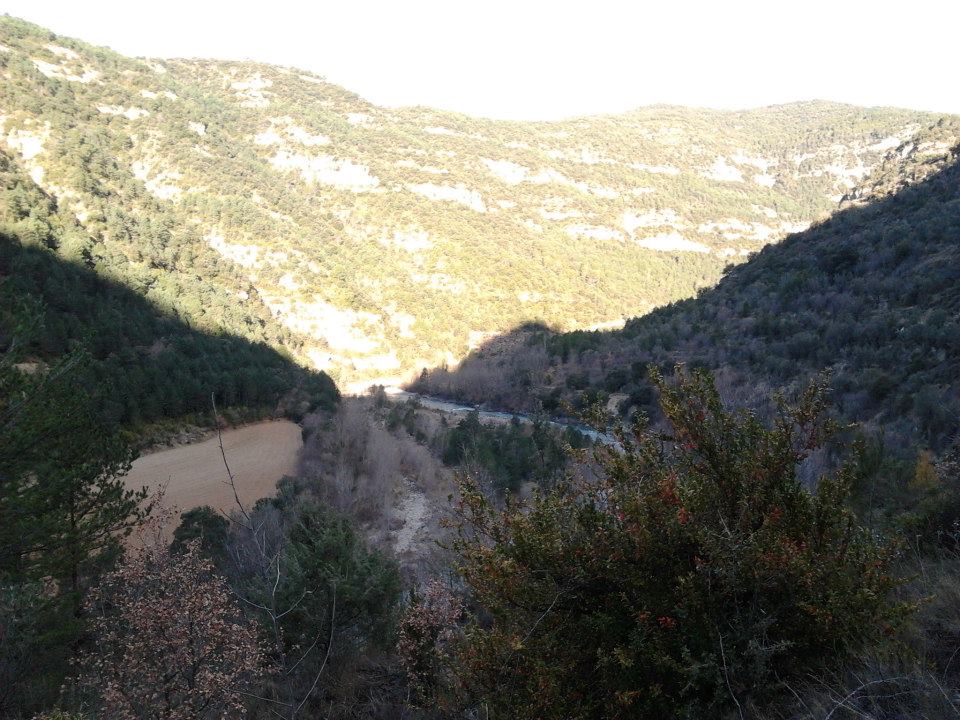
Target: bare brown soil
259,455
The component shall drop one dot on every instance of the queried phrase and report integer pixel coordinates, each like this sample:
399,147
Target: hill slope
148,362
372,241
872,294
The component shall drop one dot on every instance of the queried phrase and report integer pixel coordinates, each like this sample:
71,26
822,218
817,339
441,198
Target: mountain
871,294
370,242
147,363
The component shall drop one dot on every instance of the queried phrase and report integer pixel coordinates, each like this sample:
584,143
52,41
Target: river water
452,408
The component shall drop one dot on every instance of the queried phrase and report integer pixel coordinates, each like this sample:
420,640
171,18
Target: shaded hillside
374,241
872,294
148,362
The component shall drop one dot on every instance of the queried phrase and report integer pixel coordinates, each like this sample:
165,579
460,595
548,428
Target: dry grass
194,475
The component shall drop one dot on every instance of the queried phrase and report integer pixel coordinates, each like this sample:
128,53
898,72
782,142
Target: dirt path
259,455
412,509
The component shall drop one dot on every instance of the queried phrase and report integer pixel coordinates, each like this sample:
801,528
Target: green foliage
37,636
206,525
511,453
404,415
63,511
456,266
871,294
325,554
150,363
695,574
572,343
63,502
323,597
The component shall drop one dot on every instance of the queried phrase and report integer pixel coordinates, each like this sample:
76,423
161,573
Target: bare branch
843,702
726,675
232,482
333,620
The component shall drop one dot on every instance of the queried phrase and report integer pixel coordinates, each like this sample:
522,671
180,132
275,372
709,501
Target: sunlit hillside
378,241
871,295
312,407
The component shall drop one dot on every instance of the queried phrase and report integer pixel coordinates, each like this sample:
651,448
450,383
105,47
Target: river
453,408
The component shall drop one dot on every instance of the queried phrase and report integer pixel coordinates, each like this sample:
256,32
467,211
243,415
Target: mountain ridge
869,293
383,240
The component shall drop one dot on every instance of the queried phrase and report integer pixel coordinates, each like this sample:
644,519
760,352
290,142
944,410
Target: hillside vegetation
871,294
371,242
148,360
177,231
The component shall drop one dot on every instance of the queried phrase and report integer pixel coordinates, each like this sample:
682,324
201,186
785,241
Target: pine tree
63,510
63,502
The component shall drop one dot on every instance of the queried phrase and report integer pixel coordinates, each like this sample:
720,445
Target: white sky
526,59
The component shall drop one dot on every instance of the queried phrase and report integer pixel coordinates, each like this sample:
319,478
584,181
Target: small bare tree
426,630
257,551
170,641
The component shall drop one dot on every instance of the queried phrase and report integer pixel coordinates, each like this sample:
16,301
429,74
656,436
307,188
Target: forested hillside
181,231
872,294
150,360
371,242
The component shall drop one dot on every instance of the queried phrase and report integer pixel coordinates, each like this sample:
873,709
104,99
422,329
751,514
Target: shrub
171,642
934,519
425,631
615,380
511,454
695,573
204,524
325,600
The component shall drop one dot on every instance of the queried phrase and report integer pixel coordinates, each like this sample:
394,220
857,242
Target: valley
451,408
842,297
369,242
649,414
410,501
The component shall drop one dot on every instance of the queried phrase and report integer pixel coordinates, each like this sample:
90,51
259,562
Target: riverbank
453,408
